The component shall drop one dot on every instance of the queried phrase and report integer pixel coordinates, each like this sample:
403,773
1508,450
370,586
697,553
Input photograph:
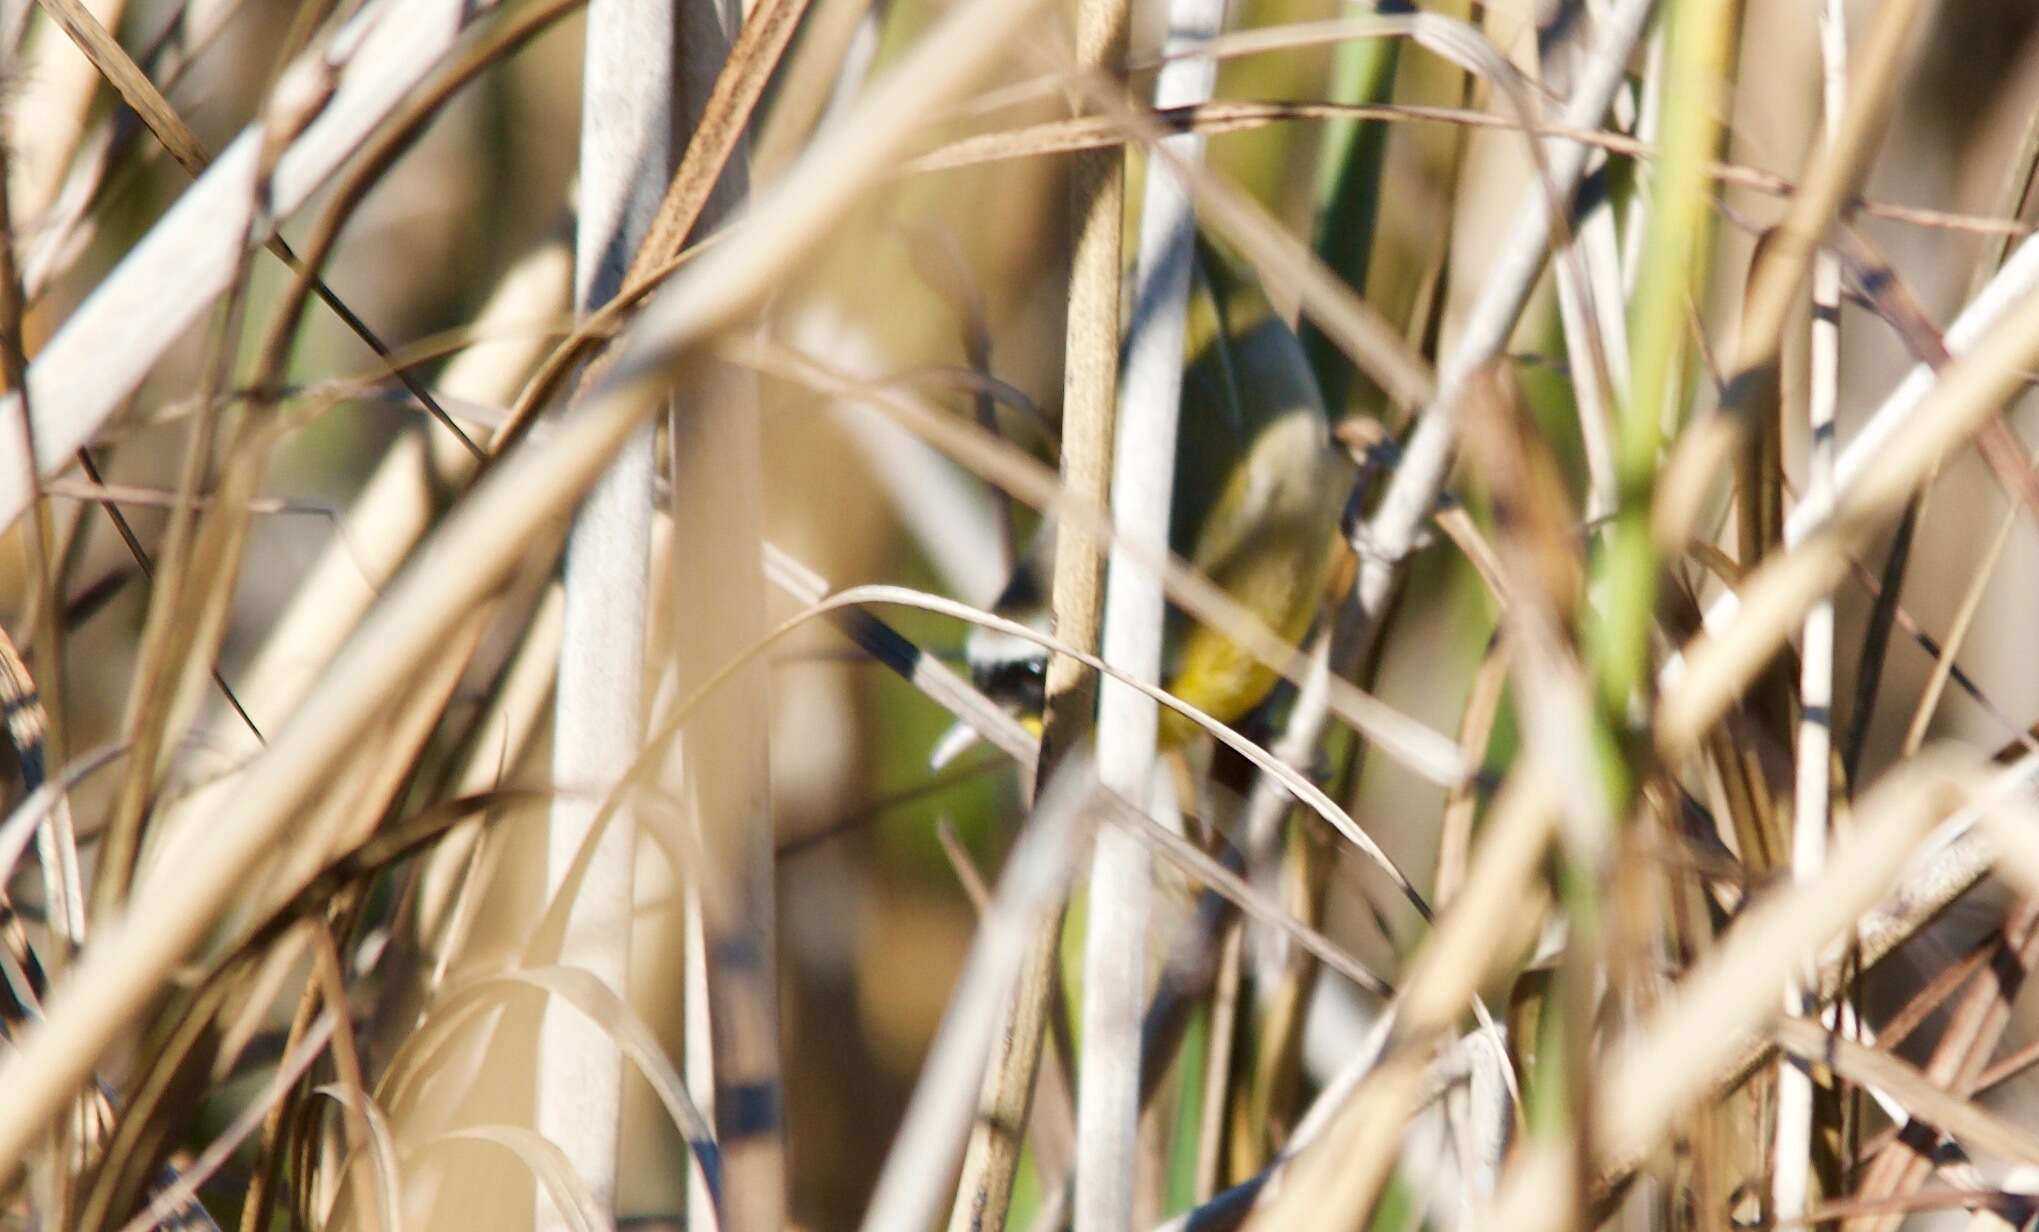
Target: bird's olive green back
1258,489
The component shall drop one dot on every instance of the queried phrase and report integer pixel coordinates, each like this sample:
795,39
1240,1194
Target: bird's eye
1037,668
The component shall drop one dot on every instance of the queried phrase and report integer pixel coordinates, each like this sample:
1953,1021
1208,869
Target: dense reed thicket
1477,561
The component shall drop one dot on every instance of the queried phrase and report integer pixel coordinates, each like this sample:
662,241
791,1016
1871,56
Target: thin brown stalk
1237,115
156,704
332,982
722,125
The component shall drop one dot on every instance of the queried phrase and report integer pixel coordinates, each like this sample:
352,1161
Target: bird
1259,489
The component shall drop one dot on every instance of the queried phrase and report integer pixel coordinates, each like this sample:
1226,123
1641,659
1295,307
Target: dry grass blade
739,83
1974,1127
1836,170
366,1134
1924,891
1239,116
1669,1061
1381,1086
38,742
1235,890
165,1204
1419,478
128,80
2012,285
384,1184
608,1012
141,95
1306,792
721,127
1894,301
465,560
83,374
1776,596
570,1197
923,671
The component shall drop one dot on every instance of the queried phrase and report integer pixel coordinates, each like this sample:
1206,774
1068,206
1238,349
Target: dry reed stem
722,124
630,107
1660,1067
1834,174
464,560
1090,387
1923,1098
1119,918
722,764
1336,1155
1776,597
1974,1027
2016,281
82,375
1791,1180
717,605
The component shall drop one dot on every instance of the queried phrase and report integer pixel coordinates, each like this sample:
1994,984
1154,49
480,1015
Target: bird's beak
954,741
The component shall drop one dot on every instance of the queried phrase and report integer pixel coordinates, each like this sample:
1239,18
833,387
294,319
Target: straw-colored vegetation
496,496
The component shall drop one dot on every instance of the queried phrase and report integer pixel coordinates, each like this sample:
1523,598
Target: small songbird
1259,488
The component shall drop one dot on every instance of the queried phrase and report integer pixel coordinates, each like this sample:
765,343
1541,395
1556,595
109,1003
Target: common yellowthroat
1258,492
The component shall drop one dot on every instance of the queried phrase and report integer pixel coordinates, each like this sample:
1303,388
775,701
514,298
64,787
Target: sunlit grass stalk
56,840
716,598
627,110
1076,598
1791,1181
1115,937
1699,42
1090,364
